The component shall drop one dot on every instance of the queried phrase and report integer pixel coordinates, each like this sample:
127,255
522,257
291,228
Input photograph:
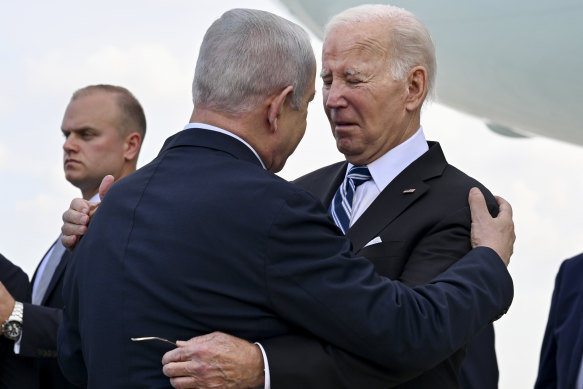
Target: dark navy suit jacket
204,239
562,347
16,372
423,232
39,330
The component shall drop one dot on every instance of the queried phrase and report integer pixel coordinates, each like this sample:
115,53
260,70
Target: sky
50,49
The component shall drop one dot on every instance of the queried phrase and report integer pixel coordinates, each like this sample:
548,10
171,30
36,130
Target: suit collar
198,137
56,279
57,275
337,175
397,197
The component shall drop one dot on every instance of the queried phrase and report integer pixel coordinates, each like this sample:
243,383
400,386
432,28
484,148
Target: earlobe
275,107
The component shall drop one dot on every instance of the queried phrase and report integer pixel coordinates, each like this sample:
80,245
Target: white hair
411,43
247,55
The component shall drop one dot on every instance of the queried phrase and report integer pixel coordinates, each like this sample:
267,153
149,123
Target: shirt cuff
17,345
267,383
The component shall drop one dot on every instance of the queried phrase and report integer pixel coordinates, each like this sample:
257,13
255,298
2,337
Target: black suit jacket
39,331
16,372
422,233
204,239
562,348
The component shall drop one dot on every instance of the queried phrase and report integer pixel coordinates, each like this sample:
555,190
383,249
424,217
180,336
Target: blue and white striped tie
341,207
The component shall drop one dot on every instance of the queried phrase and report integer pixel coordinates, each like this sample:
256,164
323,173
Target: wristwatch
11,328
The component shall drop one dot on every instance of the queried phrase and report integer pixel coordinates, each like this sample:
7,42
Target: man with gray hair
207,238
409,215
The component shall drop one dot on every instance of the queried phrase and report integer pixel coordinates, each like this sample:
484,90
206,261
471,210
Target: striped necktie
341,206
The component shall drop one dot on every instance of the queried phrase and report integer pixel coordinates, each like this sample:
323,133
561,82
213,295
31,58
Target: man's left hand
215,360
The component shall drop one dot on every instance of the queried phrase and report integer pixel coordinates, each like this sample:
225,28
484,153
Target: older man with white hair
396,197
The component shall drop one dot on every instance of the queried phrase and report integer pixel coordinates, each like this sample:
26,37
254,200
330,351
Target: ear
276,106
132,146
416,88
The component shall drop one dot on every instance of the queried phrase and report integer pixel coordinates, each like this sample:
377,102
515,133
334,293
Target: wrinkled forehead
357,42
350,49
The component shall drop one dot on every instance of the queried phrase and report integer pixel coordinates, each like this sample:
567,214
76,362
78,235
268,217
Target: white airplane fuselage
517,64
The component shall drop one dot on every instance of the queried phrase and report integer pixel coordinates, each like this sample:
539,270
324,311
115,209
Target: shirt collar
95,198
209,127
384,169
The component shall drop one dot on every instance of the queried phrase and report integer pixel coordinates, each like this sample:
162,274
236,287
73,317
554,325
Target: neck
88,194
247,126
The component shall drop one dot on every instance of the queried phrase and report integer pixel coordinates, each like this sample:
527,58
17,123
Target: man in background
561,357
104,126
408,211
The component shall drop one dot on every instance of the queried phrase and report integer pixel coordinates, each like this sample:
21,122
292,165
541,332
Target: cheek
102,151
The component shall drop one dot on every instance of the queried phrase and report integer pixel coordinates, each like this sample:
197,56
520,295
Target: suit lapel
398,196
59,272
330,187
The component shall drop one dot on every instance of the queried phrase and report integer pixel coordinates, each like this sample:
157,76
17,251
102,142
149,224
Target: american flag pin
407,191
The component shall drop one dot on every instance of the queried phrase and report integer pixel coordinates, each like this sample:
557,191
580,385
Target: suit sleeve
338,369
15,280
342,300
547,369
69,345
15,371
442,246
39,331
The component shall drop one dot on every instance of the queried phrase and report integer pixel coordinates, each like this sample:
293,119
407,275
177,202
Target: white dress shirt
384,169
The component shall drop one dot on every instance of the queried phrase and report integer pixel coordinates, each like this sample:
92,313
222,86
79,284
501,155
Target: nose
334,95
70,145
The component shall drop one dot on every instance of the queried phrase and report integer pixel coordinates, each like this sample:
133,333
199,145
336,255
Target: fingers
75,220
504,206
79,205
176,355
106,183
183,382
478,207
69,241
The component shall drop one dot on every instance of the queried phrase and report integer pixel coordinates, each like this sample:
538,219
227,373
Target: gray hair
411,42
247,55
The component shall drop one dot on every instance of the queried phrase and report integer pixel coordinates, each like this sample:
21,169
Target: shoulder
571,270
319,174
452,188
14,278
460,181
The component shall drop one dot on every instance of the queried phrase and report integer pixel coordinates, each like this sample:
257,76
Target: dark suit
204,239
422,234
39,330
562,348
15,372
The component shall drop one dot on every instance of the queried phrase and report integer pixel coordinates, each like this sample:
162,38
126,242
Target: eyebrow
79,130
347,72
